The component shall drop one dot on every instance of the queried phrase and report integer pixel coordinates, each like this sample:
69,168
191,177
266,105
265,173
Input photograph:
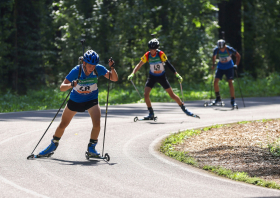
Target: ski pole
106,109
211,84
239,88
182,92
51,122
82,41
136,89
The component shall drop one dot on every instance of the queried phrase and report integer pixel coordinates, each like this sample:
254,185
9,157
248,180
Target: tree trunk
230,23
15,63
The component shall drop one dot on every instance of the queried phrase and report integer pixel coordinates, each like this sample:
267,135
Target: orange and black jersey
157,62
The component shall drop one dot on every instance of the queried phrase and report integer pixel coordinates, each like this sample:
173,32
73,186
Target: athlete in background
157,60
225,67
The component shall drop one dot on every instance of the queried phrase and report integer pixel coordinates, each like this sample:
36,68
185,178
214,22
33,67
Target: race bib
86,86
156,68
224,59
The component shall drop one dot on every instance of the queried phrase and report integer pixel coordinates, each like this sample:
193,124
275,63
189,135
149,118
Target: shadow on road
91,162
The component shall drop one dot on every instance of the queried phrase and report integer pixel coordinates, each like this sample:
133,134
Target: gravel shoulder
238,147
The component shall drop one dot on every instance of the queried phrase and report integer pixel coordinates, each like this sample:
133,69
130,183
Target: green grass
52,98
168,147
241,176
274,148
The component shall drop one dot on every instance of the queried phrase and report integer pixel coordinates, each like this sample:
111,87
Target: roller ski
149,117
188,113
47,152
92,153
217,102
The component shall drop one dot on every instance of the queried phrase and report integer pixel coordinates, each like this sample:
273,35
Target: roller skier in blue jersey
84,96
225,67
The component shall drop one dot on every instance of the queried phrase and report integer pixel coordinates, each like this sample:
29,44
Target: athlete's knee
96,126
146,95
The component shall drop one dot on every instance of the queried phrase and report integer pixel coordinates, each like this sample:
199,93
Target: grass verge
168,147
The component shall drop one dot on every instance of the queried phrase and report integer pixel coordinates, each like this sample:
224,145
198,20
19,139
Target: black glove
110,60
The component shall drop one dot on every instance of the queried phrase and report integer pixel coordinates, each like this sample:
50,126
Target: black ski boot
216,101
186,111
233,104
150,116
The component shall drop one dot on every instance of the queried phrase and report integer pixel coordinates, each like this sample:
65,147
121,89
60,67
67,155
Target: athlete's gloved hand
235,67
74,83
111,63
130,76
180,79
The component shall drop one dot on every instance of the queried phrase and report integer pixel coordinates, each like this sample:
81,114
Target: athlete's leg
230,75
67,116
95,115
147,96
216,85
231,89
174,96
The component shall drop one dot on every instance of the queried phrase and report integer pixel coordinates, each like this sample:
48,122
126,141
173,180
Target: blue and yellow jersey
156,62
225,60
86,89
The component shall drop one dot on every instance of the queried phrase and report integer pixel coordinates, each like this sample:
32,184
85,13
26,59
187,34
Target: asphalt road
136,168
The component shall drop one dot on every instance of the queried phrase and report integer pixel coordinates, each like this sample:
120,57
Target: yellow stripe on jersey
163,57
144,58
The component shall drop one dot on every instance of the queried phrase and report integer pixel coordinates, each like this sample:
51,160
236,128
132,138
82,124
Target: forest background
40,40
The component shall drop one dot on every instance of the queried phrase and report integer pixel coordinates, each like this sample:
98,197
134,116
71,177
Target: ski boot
186,111
234,105
92,153
49,151
149,117
217,102
91,149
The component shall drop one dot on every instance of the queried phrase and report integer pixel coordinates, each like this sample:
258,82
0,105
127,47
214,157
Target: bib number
225,59
85,89
157,68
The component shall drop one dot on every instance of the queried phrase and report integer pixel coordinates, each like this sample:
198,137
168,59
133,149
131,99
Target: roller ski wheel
32,156
89,156
207,104
145,119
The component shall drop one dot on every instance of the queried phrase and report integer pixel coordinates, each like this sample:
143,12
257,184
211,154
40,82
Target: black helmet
221,43
153,44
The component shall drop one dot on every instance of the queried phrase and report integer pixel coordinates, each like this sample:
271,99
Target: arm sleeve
163,58
170,66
